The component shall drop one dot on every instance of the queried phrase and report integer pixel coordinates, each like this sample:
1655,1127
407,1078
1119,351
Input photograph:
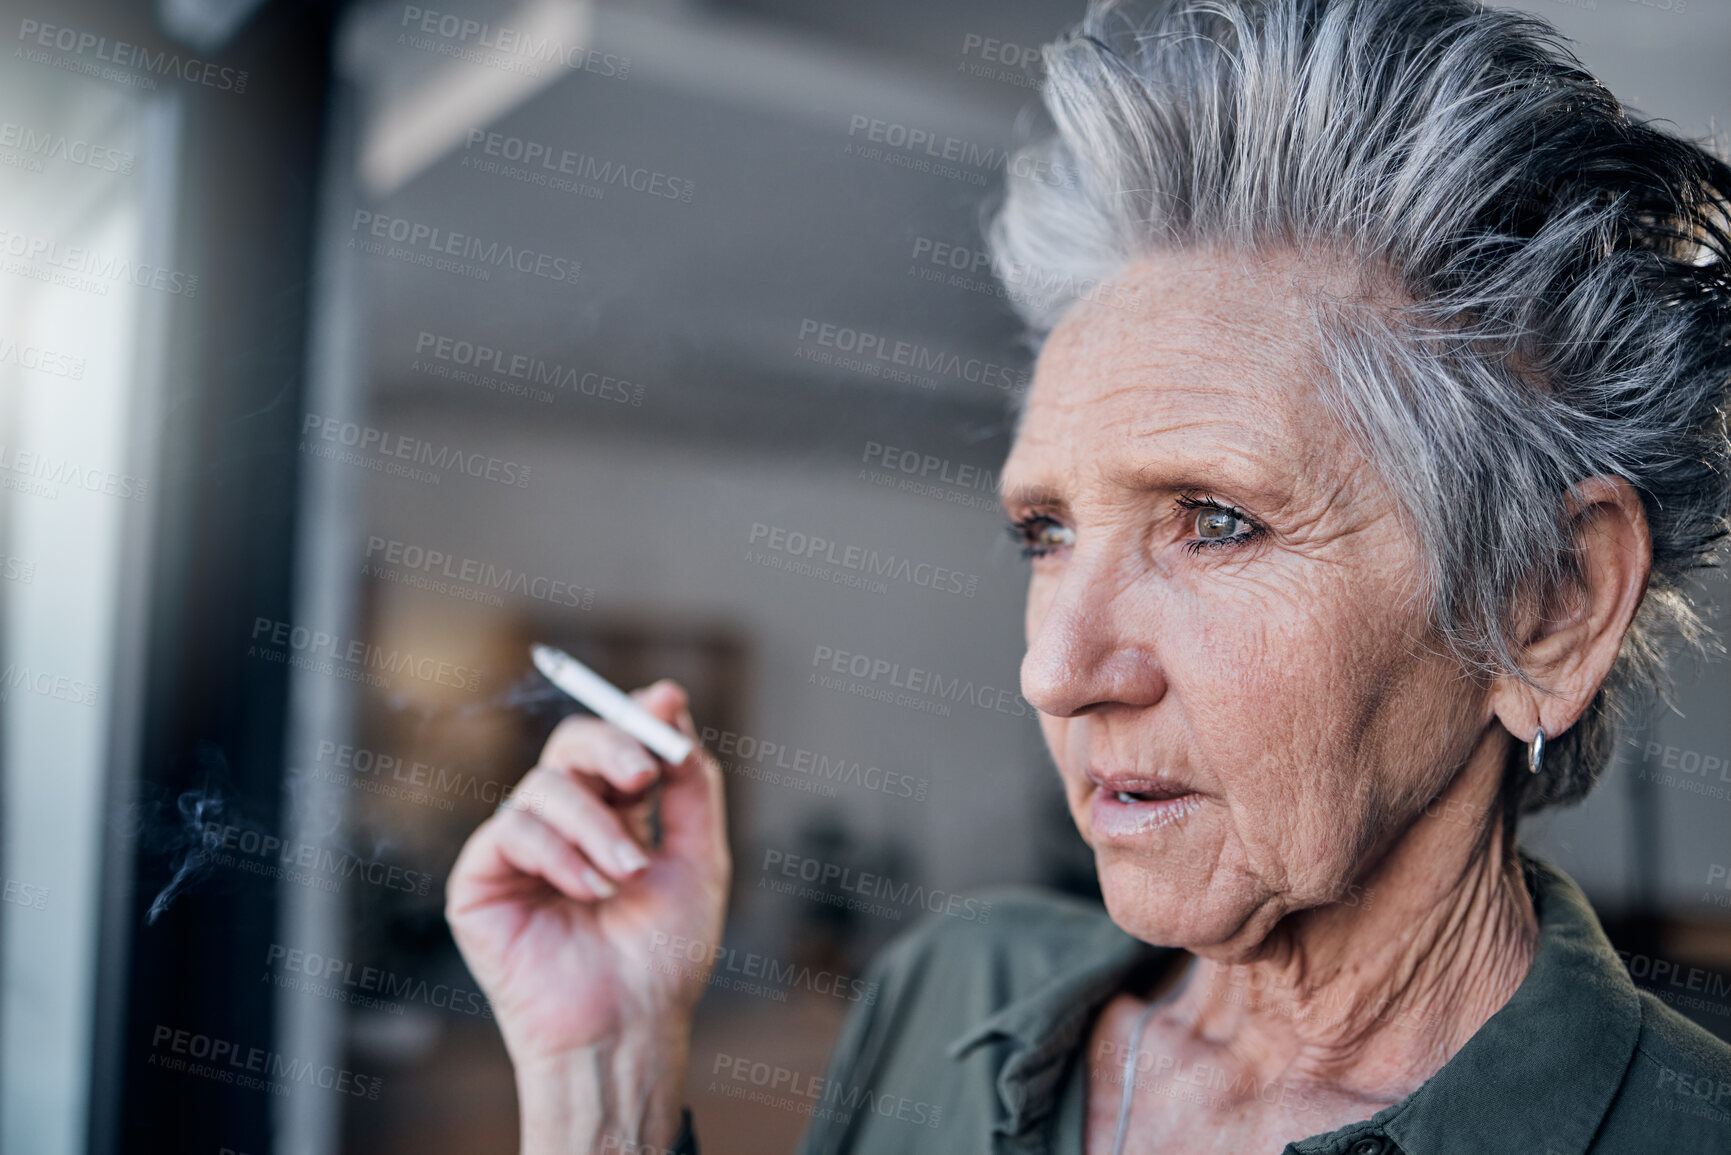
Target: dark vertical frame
249,175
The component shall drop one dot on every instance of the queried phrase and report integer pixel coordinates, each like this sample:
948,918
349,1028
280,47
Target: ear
1568,644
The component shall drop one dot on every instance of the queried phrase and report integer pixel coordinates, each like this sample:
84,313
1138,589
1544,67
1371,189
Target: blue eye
1219,524
1039,535
1216,524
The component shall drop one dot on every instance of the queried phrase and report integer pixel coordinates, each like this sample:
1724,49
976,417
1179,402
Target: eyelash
1191,502
1023,529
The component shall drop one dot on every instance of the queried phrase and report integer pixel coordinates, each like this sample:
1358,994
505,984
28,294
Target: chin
1201,913
1148,903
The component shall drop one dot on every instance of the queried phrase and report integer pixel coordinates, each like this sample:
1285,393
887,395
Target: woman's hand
563,912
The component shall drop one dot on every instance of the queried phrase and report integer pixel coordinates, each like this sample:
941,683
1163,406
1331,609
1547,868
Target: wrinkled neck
1374,998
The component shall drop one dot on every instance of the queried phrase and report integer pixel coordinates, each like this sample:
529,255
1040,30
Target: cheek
1235,673
1273,692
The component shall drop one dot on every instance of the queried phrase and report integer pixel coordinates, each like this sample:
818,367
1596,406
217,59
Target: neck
1374,995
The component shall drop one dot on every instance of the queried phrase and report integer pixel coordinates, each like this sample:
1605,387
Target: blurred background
348,348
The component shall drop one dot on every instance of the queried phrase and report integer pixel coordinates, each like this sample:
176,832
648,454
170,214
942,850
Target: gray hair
1563,269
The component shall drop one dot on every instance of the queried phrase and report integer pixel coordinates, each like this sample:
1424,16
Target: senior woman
1354,508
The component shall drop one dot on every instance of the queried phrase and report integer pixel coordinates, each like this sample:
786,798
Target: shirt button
1370,1146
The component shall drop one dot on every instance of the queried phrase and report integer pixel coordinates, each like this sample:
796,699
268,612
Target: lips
1135,788
1132,807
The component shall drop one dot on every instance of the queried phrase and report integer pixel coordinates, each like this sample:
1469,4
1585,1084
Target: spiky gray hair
1564,271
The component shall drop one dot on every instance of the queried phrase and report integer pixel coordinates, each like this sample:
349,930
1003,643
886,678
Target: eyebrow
1031,497
1150,478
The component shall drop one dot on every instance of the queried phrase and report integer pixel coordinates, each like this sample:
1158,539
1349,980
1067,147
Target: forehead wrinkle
1167,375
1168,444
1151,372
1149,407
1190,316
1230,360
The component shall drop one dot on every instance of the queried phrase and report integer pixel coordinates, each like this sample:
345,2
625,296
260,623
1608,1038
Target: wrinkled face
1225,639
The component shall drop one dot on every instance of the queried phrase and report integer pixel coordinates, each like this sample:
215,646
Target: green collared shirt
974,1046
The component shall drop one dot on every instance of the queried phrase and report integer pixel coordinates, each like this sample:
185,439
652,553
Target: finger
512,846
693,807
584,820
592,746
532,847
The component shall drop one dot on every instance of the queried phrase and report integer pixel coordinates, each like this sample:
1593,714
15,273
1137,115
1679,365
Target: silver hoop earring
1536,750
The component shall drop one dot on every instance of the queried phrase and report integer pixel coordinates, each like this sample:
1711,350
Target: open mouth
1148,795
1132,809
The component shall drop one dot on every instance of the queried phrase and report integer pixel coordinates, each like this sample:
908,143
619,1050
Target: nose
1091,636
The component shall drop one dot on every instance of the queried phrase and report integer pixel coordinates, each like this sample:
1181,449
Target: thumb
693,810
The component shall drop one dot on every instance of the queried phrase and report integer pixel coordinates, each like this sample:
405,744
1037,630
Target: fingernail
635,764
629,858
598,884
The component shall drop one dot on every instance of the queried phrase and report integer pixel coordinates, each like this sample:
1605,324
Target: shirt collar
1044,1028
1563,1041
1541,1073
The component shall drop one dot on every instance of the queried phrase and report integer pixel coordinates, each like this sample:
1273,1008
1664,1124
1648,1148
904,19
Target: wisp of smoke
181,836
532,694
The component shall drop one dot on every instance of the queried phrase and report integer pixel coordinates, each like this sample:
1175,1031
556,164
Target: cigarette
611,703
